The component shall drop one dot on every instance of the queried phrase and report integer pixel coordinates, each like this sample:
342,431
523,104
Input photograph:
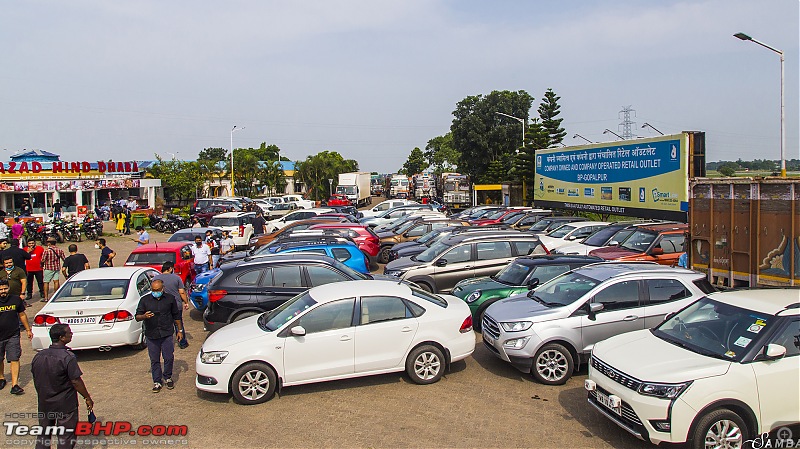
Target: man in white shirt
226,246
202,255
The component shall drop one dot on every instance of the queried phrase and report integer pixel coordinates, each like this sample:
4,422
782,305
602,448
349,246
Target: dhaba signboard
101,167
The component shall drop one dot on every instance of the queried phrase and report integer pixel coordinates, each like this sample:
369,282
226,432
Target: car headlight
472,297
517,326
663,391
395,273
516,343
213,356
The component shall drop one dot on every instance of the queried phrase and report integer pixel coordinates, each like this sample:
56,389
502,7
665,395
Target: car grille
490,326
615,375
628,415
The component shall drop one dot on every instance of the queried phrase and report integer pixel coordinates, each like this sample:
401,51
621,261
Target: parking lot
481,402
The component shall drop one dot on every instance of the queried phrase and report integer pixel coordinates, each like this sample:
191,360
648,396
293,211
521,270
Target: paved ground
482,402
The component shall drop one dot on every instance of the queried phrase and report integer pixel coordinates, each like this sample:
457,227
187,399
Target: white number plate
605,402
82,320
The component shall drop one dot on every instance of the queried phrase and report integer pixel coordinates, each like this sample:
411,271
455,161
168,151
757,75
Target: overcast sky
99,79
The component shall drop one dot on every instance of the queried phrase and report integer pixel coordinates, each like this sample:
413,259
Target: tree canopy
316,170
415,163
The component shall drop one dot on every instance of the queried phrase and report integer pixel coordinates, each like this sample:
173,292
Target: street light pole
606,131
235,128
647,125
584,138
745,37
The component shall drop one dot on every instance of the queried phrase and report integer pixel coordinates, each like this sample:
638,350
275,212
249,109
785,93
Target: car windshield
185,236
601,236
495,215
513,274
355,275
151,258
403,227
513,217
284,206
639,241
346,190
563,290
481,214
284,313
621,235
224,222
714,329
92,290
561,231
431,253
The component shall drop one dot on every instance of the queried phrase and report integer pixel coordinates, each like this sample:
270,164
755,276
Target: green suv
517,277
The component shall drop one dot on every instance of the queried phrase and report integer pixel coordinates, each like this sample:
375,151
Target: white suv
716,374
238,224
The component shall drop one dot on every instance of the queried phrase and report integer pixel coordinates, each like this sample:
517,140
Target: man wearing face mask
142,237
16,278
106,254
160,314
202,256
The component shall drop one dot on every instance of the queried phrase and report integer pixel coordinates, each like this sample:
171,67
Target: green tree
316,170
482,136
415,163
213,154
441,154
728,169
549,109
211,165
181,180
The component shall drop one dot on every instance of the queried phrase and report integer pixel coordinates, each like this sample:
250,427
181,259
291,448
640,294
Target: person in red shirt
34,268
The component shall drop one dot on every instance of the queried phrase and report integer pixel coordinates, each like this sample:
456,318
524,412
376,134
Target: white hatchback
279,223
570,232
337,331
720,372
99,305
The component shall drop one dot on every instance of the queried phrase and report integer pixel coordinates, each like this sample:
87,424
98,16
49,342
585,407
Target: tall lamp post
524,123
330,187
607,131
745,37
235,128
584,138
647,125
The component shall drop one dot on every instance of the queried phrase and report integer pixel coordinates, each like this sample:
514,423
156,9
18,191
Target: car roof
665,227
338,290
197,230
458,238
275,258
159,247
313,245
545,259
768,300
582,224
607,270
234,214
107,273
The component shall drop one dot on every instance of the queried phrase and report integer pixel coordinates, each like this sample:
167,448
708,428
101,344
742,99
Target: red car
339,200
494,218
362,235
153,255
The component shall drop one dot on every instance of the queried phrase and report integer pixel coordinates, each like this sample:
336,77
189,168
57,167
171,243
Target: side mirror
186,255
572,237
669,316
592,309
441,262
773,352
533,283
298,331
613,243
657,251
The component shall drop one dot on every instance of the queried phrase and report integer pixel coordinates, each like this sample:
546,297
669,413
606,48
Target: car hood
646,357
237,332
520,307
613,253
404,263
383,234
467,286
574,248
205,277
401,246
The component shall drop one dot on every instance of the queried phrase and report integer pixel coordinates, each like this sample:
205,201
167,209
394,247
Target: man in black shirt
160,314
17,254
12,311
259,224
57,379
74,263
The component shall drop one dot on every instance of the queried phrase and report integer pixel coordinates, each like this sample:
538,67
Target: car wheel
253,383
425,365
243,315
424,286
383,256
720,428
142,343
553,364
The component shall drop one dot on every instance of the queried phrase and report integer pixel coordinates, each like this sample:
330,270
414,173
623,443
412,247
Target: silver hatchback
551,330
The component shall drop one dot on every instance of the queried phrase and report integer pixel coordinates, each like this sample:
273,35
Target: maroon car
367,241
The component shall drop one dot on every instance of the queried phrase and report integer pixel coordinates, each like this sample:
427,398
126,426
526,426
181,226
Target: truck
355,186
398,186
424,186
455,191
745,232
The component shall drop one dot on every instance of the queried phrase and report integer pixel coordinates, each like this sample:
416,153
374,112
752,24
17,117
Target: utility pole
626,123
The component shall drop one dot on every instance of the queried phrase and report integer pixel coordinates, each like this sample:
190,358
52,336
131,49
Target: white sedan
337,331
570,232
99,305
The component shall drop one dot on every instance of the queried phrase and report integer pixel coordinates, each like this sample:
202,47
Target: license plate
605,402
82,320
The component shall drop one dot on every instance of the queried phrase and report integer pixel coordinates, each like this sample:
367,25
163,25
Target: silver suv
551,330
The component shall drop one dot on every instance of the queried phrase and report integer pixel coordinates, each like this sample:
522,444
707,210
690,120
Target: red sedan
362,235
339,200
495,218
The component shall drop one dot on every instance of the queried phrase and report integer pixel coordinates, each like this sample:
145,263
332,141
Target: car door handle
344,338
406,329
468,267
630,318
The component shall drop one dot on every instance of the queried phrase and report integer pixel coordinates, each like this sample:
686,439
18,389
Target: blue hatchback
346,253
198,294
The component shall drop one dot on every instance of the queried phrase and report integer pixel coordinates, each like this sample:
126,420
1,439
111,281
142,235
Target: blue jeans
156,349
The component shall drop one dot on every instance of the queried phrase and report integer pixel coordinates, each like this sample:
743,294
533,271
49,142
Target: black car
251,286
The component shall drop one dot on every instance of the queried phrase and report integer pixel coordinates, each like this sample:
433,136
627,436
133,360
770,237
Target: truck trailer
355,186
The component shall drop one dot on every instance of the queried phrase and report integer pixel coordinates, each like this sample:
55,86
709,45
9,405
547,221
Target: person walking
213,243
51,266
160,314
106,254
74,263
119,216
127,212
142,237
173,285
19,255
26,210
202,256
57,379
12,312
17,229
16,278
57,207
33,268
259,224
226,245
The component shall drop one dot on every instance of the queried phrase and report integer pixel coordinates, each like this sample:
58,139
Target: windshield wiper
541,301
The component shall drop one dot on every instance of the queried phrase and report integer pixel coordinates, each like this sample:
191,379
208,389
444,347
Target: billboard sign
646,178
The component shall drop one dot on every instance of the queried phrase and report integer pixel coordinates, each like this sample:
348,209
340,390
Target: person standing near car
202,256
12,312
106,254
51,266
160,314
33,267
259,224
16,253
74,263
173,285
213,243
143,238
226,245
16,278
57,379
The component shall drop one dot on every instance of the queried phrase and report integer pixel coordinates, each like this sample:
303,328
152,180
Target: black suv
248,287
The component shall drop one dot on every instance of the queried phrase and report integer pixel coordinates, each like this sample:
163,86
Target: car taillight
45,320
117,315
241,230
216,295
546,251
466,326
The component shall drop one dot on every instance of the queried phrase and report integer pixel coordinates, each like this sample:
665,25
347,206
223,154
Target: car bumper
639,414
521,359
199,300
462,347
121,334
213,378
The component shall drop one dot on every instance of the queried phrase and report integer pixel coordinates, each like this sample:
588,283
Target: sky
371,79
